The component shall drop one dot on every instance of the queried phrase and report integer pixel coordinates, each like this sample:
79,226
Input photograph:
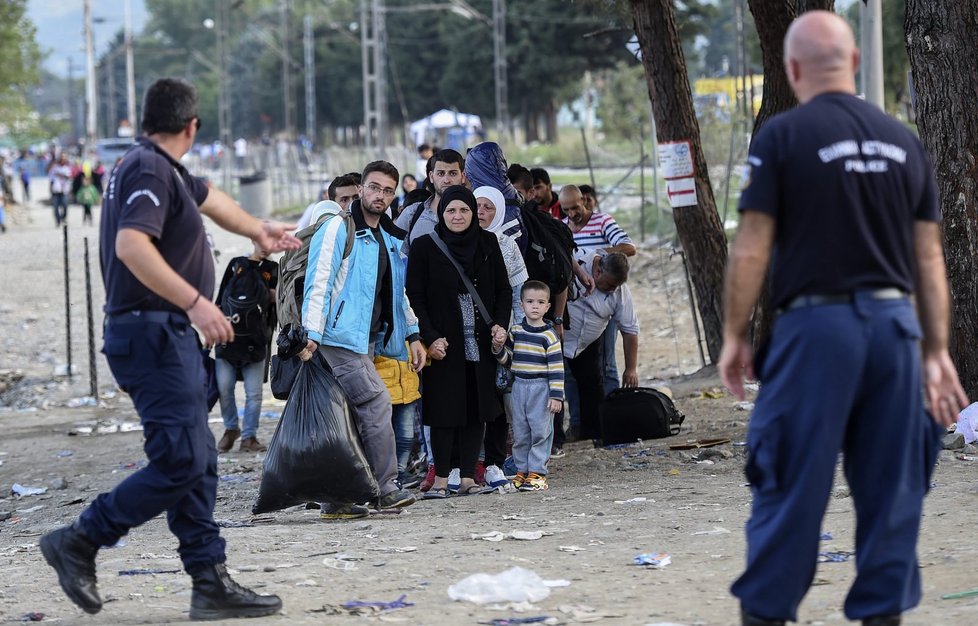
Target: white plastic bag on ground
968,423
513,585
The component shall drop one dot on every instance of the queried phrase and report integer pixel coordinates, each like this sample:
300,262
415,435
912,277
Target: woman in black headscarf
459,385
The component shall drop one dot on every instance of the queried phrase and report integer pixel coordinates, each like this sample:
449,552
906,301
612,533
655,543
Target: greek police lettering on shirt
851,147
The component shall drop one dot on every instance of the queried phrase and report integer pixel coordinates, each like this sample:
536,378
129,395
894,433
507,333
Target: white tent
444,120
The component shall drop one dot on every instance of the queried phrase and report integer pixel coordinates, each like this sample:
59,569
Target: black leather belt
154,317
821,299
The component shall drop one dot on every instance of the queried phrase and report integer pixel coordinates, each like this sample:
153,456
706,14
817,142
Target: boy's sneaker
396,500
454,480
429,478
534,482
495,477
342,511
519,479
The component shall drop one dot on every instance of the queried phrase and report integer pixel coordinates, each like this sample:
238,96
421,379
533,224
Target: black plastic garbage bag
315,454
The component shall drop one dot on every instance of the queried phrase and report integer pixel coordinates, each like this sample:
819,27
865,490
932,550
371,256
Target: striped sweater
535,352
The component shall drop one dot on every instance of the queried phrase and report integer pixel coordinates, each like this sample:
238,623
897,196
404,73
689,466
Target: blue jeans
403,423
253,375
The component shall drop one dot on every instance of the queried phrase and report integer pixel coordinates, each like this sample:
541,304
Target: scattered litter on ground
699,443
512,621
131,465
584,613
396,549
339,561
64,453
516,584
633,500
32,509
20,490
745,406
739,444
571,549
826,537
839,556
393,605
141,572
230,523
713,394
717,530
961,594
652,560
75,403
968,423
522,535
32,617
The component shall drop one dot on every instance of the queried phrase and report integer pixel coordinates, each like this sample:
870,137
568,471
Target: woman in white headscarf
492,214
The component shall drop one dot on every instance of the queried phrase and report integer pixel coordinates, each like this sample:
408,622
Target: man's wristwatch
558,321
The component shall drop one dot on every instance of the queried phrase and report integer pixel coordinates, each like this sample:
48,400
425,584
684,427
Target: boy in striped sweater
535,356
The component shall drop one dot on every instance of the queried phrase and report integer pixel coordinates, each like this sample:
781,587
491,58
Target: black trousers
460,442
587,370
494,442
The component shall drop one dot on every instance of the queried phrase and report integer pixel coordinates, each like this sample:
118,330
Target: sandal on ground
435,493
474,490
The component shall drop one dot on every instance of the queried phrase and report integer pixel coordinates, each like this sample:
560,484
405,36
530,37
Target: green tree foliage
20,68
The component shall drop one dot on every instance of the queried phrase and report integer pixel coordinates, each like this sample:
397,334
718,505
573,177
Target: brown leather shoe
227,441
251,444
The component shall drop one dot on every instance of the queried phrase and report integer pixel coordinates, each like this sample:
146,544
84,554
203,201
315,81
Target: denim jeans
252,374
403,423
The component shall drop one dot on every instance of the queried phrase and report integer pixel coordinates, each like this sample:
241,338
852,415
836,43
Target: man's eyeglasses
375,188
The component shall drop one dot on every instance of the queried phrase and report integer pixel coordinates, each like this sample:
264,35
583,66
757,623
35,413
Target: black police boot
882,620
749,620
216,596
72,555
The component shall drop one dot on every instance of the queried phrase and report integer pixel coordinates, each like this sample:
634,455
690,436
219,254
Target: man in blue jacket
355,306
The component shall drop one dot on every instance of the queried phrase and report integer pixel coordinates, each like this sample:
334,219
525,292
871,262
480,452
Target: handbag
504,377
630,414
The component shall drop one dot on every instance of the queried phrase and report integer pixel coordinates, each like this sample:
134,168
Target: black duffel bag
630,414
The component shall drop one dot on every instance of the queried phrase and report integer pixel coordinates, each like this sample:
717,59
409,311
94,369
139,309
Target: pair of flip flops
436,493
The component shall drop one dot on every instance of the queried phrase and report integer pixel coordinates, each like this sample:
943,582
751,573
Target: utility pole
373,36
111,111
224,92
499,65
90,99
130,73
310,67
871,47
287,68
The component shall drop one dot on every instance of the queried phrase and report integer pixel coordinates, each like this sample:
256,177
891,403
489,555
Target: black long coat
433,287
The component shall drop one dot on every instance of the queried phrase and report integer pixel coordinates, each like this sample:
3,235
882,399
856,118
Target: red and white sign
681,192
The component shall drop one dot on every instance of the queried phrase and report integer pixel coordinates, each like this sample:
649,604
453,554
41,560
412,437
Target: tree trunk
550,121
772,19
941,40
698,227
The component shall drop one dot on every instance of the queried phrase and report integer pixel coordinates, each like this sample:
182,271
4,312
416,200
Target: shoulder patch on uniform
143,192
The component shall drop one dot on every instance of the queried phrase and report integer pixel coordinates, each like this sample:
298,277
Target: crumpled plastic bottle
513,585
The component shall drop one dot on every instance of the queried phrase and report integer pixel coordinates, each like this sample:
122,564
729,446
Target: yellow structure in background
730,87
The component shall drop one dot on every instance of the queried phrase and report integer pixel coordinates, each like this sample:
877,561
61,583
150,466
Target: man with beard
355,304
420,218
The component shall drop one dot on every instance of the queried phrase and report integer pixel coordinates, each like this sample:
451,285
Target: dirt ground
603,508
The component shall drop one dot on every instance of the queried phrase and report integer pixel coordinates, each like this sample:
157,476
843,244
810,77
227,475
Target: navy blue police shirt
845,183
151,192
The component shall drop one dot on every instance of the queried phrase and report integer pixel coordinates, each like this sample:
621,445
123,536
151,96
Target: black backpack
549,251
246,302
630,414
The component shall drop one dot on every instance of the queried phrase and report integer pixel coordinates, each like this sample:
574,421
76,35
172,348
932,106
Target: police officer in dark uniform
841,200
159,277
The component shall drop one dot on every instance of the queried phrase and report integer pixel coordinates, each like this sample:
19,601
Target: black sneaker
409,480
72,555
396,500
342,511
